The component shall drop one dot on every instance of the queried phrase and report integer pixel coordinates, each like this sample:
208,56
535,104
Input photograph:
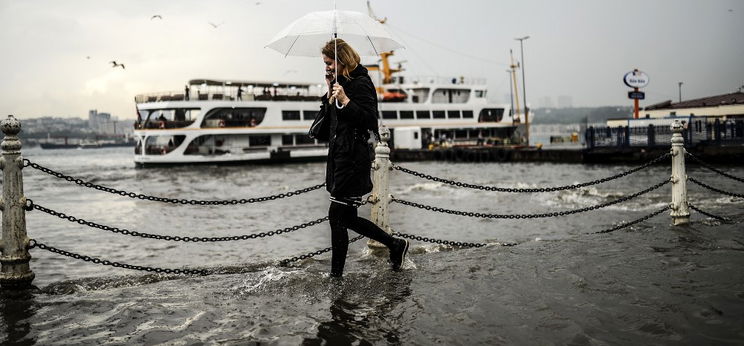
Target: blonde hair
348,58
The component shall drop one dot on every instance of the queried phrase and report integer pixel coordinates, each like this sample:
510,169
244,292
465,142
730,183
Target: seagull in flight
156,16
114,64
216,25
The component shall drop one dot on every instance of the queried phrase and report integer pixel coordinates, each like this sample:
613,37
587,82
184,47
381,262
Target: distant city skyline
57,56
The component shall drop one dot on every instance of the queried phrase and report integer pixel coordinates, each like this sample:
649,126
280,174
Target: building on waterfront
105,124
725,106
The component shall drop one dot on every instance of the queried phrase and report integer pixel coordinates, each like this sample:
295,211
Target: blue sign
636,95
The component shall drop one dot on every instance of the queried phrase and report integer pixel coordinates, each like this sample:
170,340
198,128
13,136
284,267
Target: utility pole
680,91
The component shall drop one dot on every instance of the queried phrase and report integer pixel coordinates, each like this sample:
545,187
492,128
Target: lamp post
680,91
524,88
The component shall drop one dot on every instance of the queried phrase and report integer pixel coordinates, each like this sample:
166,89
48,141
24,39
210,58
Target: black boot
398,252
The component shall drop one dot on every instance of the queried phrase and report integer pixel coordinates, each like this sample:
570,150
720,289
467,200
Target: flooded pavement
651,283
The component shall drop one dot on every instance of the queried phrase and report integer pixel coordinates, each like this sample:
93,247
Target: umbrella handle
339,106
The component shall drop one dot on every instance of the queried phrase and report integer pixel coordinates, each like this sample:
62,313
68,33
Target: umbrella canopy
307,35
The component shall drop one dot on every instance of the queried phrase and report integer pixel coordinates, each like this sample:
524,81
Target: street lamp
680,91
524,88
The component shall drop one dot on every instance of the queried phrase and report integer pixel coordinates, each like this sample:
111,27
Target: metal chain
447,242
27,163
125,231
287,261
530,216
719,218
626,224
34,244
530,190
714,189
700,162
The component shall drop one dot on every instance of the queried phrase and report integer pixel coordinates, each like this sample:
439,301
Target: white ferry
220,121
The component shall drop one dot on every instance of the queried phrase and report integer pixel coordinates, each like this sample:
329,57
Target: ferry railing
16,272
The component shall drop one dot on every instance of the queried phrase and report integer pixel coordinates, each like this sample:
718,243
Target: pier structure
15,244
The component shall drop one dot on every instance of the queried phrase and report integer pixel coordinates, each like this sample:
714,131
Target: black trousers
342,215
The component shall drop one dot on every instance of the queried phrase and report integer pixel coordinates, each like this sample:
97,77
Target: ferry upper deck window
451,96
467,114
290,115
309,115
423,115
406,114
480,93
389,114
453,114
488,115
234,117
438,114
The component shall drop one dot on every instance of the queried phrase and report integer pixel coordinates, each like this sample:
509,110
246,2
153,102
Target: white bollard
15,271
380,196
680,211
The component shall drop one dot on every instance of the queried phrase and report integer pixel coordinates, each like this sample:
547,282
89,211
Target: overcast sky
55,57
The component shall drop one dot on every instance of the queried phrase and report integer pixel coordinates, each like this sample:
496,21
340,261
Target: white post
15,271
381,186
680,211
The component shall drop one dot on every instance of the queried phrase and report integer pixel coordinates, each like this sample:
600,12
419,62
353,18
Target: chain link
117,264
698,182
631,223
287,261
529,216
27,163
530,190
700,162
125,231
719,218
447,242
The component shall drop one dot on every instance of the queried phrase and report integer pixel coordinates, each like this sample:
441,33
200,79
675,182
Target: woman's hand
329,78
339,94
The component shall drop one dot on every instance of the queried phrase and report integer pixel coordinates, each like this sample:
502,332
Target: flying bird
114,64
216,25
156,16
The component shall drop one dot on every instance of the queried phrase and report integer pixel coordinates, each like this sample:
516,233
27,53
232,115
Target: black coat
349,154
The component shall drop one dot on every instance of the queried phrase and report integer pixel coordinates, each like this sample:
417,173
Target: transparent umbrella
307,35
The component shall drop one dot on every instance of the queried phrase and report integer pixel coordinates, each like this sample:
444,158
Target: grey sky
577,48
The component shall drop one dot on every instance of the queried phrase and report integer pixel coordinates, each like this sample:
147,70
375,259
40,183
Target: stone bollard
380,196
680,211
15,271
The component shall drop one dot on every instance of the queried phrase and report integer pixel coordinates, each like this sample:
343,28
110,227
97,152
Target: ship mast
386,70
514,79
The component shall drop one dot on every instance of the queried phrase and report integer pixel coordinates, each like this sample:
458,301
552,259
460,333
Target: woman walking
350,108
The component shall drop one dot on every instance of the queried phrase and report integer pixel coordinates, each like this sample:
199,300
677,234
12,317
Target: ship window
488,115
453,114
406,114
480,93
420,95
304,139
287,139
450,96
309,115
234,117
290,115
467,114
423,115
438,114
259,140
461,134
168,118
161,145
389,115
